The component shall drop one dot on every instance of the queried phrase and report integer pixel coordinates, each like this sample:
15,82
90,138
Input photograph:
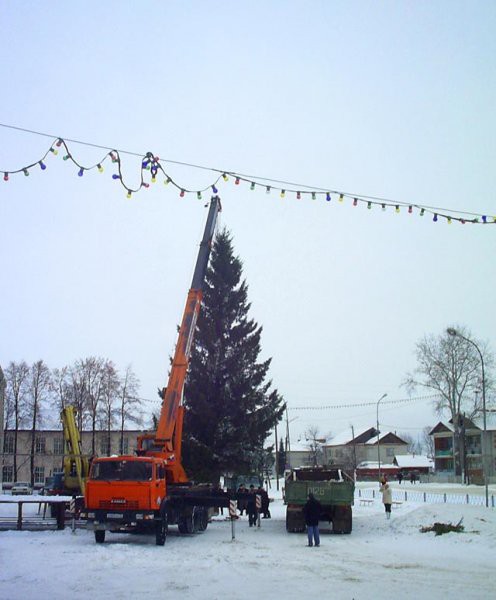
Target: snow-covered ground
379,559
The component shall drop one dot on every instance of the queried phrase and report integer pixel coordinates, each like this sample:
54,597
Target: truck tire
100,536
161,530
201,519
186,524
295,521
342,519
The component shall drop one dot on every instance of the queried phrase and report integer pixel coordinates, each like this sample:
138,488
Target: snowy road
380,559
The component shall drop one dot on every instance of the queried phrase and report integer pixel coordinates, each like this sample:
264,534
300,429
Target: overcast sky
387,99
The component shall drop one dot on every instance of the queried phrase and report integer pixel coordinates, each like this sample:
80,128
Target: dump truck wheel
100,536
201,519
342,519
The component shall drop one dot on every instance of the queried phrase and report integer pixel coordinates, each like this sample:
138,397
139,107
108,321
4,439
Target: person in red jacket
312,511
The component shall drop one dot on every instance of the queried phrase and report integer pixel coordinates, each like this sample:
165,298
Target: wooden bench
366,501
396,503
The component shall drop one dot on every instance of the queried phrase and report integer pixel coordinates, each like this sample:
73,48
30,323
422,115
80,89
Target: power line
361,404
153,164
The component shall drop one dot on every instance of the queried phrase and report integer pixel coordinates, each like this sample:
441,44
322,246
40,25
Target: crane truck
150,491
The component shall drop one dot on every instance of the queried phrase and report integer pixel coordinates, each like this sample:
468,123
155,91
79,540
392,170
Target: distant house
365,446
472,431
302,454
407,463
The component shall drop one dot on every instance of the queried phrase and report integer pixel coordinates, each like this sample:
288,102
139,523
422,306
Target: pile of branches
440,528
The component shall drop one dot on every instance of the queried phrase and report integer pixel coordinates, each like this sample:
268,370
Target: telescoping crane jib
151,490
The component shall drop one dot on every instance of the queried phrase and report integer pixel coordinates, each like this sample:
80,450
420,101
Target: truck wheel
160,531
342,519
100,536
186,524
201,519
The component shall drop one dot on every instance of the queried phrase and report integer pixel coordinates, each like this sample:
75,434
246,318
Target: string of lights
361,404
152,169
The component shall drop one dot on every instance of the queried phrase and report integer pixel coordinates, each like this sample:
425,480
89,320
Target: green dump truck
332,487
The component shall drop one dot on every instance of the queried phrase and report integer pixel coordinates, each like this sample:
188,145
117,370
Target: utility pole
277,461
354,451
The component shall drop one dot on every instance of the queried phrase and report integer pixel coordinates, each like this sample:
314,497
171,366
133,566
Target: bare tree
129,403
427,442
77,392
92,369
108,393
16,376
61,386
39,386
413,445
451,366
314,443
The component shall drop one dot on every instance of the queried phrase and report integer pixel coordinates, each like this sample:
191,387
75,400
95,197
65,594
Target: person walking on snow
387,497
312,511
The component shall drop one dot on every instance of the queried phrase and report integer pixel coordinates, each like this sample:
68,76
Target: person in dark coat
242,498
251,506
312,511
265,502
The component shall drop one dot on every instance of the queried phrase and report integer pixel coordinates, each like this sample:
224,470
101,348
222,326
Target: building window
40,445
8,474
58,445
389,451
8,445
105,447
39,474
125,446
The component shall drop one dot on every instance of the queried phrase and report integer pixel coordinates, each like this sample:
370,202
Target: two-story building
49,452
472,434
350,448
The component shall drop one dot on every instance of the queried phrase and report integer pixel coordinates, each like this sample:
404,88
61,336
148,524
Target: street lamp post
454,332
378,438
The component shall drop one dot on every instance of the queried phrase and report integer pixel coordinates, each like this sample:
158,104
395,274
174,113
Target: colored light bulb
341,197
129,193
484,219
81,172
252,186
383,206
298,195
314,196
369,205
42,165
59,142
267,189
422,211
355,201
145,164
145,185
116,176
214,189
236,181
182,193
410,209
54,151
462,221
435,217
328,197
154,179
66,157
100,168
449,220
199,195
225,177
26,172
5,176
167,181
397,208
283,193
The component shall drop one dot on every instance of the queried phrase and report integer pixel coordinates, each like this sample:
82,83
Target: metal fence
428,498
